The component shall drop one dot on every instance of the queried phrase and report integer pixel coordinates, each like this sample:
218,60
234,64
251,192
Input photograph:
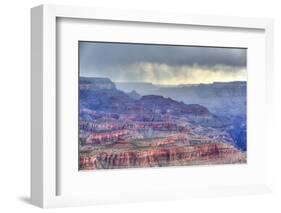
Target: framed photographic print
130,106
151,105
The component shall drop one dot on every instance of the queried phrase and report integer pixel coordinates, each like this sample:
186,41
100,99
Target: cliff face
205,154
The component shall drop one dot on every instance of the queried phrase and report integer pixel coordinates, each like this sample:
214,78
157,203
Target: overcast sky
161,64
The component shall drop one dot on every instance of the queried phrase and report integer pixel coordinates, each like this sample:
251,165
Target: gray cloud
138,62
112,54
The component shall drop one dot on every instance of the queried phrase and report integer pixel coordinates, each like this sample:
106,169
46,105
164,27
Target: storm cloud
161,63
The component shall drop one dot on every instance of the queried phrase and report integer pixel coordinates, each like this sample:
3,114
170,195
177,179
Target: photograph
161,105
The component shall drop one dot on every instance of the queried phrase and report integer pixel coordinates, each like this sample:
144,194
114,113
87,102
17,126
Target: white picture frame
44,150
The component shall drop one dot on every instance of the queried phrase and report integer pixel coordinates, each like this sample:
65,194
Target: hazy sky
162,64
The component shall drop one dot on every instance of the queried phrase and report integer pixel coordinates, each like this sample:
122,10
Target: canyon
125,129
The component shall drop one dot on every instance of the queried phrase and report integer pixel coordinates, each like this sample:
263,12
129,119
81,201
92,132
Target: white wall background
15,104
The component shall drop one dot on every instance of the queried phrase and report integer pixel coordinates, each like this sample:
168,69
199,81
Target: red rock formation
212,153
107,137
